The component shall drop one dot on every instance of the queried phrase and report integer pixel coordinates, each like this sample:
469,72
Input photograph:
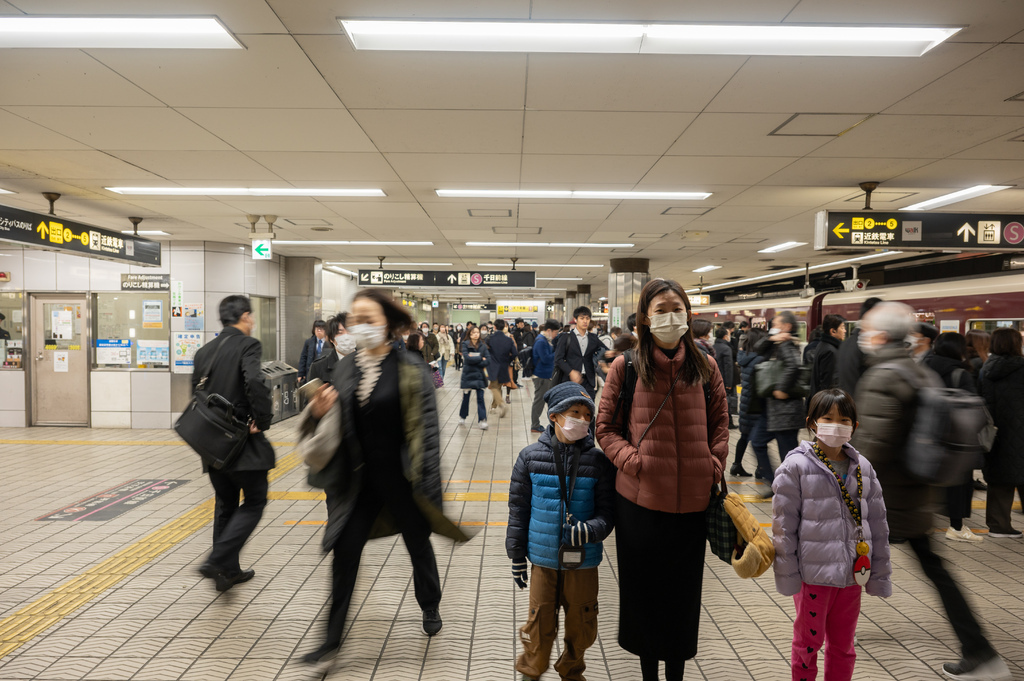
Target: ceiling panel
468,132
459,208
433,80
960,174
592,132
130,128
18,133
626,82
188,166
186,207
547,210
918,136
79,165
664,10
728,134
65,77
733,213
696,172
838,172
272,70
320,16
581,172
326,166
283,129
792,196
455,168
827,85
1010,146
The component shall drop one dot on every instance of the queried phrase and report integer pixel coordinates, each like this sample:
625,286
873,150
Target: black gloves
519,573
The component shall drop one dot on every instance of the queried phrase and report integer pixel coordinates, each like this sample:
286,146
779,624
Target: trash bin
282,379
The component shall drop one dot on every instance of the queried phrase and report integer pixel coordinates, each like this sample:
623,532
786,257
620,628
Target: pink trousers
825,615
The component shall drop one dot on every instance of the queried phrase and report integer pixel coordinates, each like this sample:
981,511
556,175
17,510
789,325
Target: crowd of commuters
643,460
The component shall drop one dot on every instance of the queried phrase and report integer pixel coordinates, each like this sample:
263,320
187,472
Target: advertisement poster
152,314
185,347
194,317
113,352
60,362
154,352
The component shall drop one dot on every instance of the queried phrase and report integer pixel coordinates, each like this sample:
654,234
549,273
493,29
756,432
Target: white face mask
774,331
574,429
368,336
669,327
864,342
345,344
833,434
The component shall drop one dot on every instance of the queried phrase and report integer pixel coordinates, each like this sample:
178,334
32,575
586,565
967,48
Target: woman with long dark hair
372,442
670,450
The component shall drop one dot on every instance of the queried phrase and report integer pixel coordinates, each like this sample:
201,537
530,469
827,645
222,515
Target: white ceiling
300,107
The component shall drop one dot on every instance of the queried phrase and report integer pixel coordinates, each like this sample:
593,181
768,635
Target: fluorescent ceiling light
783,247
116,32
956,197
342,270
144,232
796,270
354,243
388,264
538,244
708,268
561,278
538,36
532,264
242,191
4,191
567,194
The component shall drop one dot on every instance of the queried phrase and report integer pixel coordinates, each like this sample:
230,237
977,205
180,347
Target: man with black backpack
889,402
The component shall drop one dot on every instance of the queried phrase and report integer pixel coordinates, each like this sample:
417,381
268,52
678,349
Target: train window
801,331
991,325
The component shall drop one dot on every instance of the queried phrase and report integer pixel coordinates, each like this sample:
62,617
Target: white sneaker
990,670
483,425
462,422
963,534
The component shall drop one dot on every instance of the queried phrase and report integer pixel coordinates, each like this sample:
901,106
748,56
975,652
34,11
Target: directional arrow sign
452,279
966,232
839,231
261,250
43,230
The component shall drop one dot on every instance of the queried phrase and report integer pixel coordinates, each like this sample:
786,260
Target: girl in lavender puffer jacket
830,538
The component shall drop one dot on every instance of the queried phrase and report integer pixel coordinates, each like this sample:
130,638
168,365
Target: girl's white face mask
669,327
833,434
573,429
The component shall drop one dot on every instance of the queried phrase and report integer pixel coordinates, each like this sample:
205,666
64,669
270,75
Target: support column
583,295
303,303
626,278
558,313
570,305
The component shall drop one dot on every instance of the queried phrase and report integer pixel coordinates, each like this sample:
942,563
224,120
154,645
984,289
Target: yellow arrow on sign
44,231
839,231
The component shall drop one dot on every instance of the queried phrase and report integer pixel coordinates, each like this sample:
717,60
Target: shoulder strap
624,403
958,376
213,362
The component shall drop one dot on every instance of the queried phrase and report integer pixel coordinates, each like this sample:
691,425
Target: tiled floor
75,604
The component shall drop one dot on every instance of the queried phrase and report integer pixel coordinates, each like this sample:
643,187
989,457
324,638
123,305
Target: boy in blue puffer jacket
559,525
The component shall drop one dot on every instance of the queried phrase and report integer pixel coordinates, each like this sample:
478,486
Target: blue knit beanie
564,395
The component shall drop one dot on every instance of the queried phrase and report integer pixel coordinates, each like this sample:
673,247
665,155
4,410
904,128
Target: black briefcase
209,425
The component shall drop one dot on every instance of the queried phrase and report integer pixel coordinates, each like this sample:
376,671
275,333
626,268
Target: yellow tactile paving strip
44,612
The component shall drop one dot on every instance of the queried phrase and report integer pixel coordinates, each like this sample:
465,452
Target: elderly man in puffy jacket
886,402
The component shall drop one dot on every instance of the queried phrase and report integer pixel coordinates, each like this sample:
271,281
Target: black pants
232,524
349,549
973,643
958,501
741,449
997,509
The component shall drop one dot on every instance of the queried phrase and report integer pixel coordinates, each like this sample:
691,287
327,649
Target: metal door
59,366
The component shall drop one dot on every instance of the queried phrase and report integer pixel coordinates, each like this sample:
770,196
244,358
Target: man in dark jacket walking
578,352
232,361
726,363
543,368
850,360
312,348
502,348
886,403
823,368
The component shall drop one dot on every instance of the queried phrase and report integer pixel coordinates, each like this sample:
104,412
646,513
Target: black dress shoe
325,652
208,571
737,471
980,486
226,581
431,621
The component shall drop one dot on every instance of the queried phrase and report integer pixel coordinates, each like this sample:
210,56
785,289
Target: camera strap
574,469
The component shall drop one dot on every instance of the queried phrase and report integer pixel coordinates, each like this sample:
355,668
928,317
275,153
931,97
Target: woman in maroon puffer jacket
664,485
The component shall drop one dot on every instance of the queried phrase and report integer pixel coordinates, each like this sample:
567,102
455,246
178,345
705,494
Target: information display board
924,231
446,279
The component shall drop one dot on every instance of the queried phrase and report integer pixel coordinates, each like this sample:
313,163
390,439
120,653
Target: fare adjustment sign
56,234
924,231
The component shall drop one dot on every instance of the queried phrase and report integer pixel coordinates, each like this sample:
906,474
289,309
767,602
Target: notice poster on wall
113,351
60,362
152,314
185,347
62,324
154,352
193,315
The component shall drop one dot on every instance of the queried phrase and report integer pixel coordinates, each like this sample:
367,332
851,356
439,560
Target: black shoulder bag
209,425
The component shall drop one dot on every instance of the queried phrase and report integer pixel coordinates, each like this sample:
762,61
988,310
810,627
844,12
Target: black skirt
661,573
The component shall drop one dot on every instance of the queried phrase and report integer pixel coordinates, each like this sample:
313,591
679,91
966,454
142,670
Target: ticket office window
264,313
131,331
991,325
12,331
